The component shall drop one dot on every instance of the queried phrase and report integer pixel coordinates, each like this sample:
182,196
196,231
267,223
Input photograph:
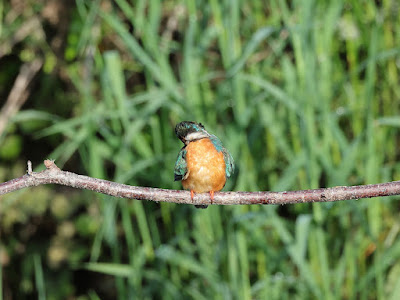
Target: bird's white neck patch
194,136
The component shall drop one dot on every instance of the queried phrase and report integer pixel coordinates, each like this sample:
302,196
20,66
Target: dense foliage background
304,94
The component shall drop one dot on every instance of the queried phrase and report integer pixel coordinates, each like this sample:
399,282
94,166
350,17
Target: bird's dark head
188,131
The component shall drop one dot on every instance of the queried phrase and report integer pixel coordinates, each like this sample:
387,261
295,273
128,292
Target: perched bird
203,164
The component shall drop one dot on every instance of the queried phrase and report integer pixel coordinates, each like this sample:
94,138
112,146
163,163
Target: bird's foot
212,196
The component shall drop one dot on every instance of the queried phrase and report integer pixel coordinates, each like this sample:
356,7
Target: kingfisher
203,164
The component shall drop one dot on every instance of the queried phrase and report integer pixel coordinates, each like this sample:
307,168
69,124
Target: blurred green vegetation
304,94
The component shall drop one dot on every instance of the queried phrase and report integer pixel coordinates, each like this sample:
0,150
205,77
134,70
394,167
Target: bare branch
19,92
53,175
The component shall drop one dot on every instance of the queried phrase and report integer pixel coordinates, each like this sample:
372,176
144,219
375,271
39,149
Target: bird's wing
180,165
229,163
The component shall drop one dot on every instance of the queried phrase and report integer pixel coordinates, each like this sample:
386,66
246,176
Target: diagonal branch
19,92
53,175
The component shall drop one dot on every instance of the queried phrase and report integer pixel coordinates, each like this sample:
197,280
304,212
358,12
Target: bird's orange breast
206,167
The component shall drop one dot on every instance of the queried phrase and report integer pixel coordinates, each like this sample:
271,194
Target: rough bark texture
53,175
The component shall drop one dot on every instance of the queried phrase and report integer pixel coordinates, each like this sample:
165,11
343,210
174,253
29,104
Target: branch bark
53,175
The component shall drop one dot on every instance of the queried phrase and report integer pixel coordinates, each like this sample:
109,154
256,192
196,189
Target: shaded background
304,94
